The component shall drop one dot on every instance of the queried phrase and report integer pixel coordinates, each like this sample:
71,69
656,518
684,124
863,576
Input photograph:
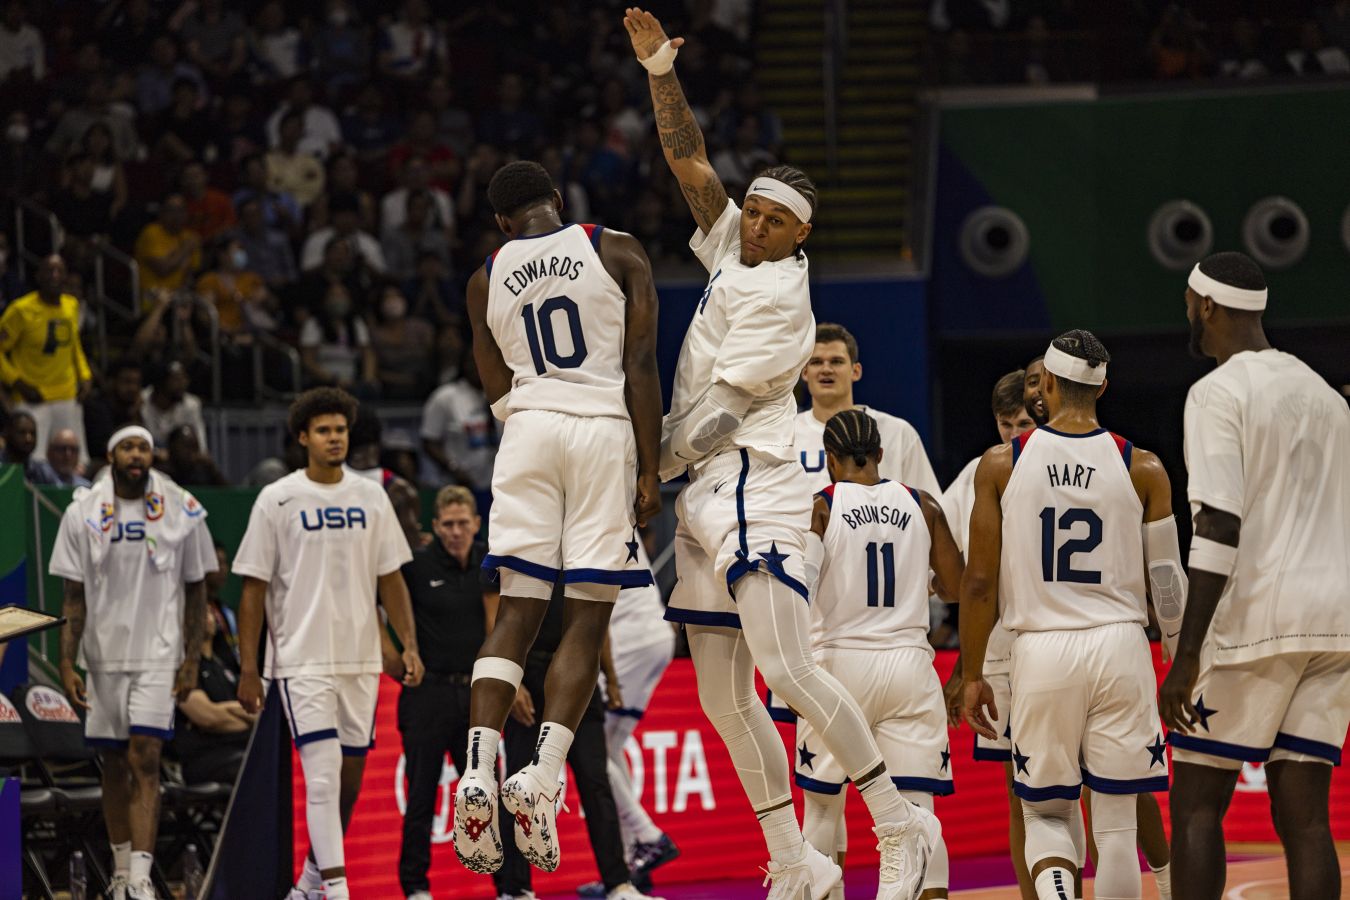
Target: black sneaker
592,889
647,857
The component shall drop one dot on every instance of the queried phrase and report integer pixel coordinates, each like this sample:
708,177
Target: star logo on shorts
807,758
632,550
773,557
1156,750
1021,760
1203,712
946,757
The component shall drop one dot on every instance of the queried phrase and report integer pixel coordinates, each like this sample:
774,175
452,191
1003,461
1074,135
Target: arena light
1275,232
1179,234
994,241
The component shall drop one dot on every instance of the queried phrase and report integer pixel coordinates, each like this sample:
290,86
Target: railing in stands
25,212
263,343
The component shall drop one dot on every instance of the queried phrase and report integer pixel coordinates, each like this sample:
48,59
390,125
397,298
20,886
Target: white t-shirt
394,208
311,255
1268,440
457,417
321,130
903,458
339,359
957,502
752,329
321,548
162,422
134,612
638,620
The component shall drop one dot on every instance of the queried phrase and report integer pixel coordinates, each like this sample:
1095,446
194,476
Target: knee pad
518,584
1113,825
1048,828
596,593
321,762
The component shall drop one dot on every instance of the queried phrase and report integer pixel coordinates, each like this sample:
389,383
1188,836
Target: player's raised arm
492,368
681,138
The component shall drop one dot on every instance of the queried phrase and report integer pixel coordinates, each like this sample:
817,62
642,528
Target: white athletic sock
1162,877
551,751
336,889
310,879
482,755
321,762
1054,883
122,858
782,834
140,866
884,801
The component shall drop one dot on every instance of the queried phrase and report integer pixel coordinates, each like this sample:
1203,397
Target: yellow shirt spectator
40,345
166,259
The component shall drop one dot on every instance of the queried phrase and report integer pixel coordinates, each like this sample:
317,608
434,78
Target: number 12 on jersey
543,327
1059,566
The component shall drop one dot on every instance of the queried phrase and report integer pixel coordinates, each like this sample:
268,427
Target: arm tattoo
73,608
681,137
706,201
194,619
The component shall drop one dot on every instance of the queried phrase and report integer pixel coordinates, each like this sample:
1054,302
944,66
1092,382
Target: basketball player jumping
741,539
1261,670
564,334
1069,521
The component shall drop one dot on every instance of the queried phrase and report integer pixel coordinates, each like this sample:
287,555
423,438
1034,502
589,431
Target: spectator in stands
23,59
335,345
42,361
340,48
344,177
237,291
407,505
1314,56
267,250
368,127
167,404
73,68
117,404
11,286
416,176
404,348
307,295
72,125
749,103
433,294
345,213
602,172
155,83
511,125
166,334
625,129
1334,17
84,214
1244,58
128,31
211,729
20,444
276,48
442,164
63,459
399,455
109,178
19,161
290,170
225,644
187,463
411,47
237,134
279,210
458,434
209,210
1177,46
320,133
743,159
185,129
167,251
215,38
454,125
419,233
472,209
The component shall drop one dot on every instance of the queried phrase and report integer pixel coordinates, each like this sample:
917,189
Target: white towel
170,515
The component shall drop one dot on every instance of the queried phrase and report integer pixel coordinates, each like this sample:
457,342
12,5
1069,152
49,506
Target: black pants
590,778
433,718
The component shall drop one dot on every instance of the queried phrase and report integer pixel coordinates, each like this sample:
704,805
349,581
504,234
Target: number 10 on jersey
542,326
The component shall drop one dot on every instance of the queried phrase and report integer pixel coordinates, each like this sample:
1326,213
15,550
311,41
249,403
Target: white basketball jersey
873,588
1073,540
558,318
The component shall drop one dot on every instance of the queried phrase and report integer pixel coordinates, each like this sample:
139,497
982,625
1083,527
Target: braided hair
853,434
1083,345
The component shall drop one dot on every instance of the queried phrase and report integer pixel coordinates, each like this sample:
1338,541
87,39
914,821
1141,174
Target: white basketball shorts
320,707
563,488
999,750
125,703
901,698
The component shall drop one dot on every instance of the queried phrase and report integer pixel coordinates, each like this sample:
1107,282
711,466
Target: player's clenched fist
73,685
250,692
648,503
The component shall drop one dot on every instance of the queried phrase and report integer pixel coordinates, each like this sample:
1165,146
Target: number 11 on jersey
886,595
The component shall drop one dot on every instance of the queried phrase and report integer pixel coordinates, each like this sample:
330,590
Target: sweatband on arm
1212,556
1166,578
710,423
812,560
662,61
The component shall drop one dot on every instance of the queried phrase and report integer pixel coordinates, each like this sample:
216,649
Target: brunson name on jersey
553,267
872,514
1070,475
333,517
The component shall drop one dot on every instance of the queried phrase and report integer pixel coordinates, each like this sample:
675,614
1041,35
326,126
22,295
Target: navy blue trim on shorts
702,617
164,734
743,567
1221,749
1049,792
817,787
1152,785
778,713
322,735
107,743
492,563
1330,752
621,577
990,754
938,787
353,751
627,711
740,503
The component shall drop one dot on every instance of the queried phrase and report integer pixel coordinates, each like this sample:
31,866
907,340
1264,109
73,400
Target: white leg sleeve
1078,831
634,823
1049,830
777,628
1113,825
322,765
822,820
939,868
726,690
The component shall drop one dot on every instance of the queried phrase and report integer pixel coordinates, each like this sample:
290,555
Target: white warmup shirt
873,588
903,458
558,317
638,620
752,329
321,548
133,611
1073,538
1268,440
457,417
957,502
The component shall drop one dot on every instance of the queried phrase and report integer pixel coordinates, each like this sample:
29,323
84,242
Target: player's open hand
646,33
977,707
185,680
1174,698
413,670
74,687
613,695
250,692
647,505
522,708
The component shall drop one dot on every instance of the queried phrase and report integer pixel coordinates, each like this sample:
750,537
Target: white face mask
239,257
17,132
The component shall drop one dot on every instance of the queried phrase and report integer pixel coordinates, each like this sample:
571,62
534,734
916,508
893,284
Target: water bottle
192,872
78,878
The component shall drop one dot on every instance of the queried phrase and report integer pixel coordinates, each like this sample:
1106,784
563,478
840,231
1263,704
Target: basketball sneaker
117,888
809,878
905,851
141,890
477,837
535,806
628,892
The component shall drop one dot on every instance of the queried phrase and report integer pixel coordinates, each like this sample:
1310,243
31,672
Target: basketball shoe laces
786,882
894,850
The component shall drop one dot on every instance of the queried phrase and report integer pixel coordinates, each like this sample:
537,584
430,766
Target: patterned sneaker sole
535,834
475,814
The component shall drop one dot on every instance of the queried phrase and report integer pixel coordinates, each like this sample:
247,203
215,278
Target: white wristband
1211,556
662,61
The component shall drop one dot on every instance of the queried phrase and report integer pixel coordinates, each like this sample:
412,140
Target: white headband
1226,294
131,431
779,192
1073,368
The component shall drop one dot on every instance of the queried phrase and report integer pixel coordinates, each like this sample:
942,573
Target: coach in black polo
452,603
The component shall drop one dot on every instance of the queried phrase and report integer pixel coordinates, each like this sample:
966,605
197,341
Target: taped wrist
1212,556
662,61
714,419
